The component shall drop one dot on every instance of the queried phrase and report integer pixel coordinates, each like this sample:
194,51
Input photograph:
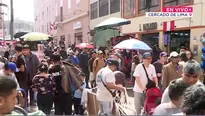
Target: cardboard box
92,107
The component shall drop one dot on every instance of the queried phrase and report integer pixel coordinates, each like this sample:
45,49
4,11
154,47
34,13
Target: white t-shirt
140,73
106,75
165,95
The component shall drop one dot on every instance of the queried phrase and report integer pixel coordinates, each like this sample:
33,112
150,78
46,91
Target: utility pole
12,20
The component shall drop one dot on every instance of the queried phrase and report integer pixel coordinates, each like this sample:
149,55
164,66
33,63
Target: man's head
70,53
112,64
191,72
93,54
55,57
10,68
85,50
26,50
8,95
147,58
19,48
163,56
117,56
100,54
174,57
194,103
176,91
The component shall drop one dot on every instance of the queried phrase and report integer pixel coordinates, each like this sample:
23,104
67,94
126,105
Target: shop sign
77,25
149,26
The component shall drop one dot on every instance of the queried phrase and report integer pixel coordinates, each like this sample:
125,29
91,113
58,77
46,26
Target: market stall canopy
132,44
84,45
36,36
102,36
20,34
112,22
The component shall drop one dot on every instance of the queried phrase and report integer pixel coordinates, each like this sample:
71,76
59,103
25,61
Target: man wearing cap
171,71
8,72
98,63
106,86
158,66
32,63
142,72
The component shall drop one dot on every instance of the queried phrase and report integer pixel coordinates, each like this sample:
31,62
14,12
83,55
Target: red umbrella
84,45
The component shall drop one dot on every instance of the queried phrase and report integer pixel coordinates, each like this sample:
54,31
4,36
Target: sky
23,9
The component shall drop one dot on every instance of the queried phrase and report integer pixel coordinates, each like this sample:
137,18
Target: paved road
130,100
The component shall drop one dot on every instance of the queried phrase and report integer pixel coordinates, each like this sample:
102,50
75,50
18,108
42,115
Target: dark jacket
32,64
84,58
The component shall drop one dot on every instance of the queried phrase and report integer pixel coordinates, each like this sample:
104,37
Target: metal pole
3,28
12,21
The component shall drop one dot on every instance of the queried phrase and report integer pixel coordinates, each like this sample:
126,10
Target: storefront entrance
179,39
150,39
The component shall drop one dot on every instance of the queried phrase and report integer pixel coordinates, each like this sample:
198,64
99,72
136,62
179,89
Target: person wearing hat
8,72
98,63
32,63
172,70
72,58
158,66
106,86
142,73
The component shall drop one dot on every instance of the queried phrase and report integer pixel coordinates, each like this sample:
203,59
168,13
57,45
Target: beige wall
73,15
196,33
198,19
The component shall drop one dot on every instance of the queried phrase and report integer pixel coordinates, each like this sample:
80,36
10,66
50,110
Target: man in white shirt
191,74
141,80
106,86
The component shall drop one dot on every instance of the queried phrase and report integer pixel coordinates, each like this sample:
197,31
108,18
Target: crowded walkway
62,82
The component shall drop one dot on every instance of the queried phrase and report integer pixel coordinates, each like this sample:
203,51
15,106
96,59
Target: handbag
111,92
150,83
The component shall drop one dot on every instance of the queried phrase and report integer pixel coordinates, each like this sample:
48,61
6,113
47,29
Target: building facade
101,10
187,31
72,21
69,19
19,26
44,14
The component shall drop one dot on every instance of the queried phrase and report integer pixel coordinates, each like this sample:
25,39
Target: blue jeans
105,107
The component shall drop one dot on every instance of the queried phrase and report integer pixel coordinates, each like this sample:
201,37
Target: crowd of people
172,81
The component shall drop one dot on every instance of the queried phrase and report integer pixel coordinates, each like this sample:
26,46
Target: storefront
150,39
178,39
149,36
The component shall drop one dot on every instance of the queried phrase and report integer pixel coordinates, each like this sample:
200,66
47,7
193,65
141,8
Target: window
78,3
148,6
61,13
94,10
176,2
129,8
43,15
114,6
56,10
69,4
103,8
